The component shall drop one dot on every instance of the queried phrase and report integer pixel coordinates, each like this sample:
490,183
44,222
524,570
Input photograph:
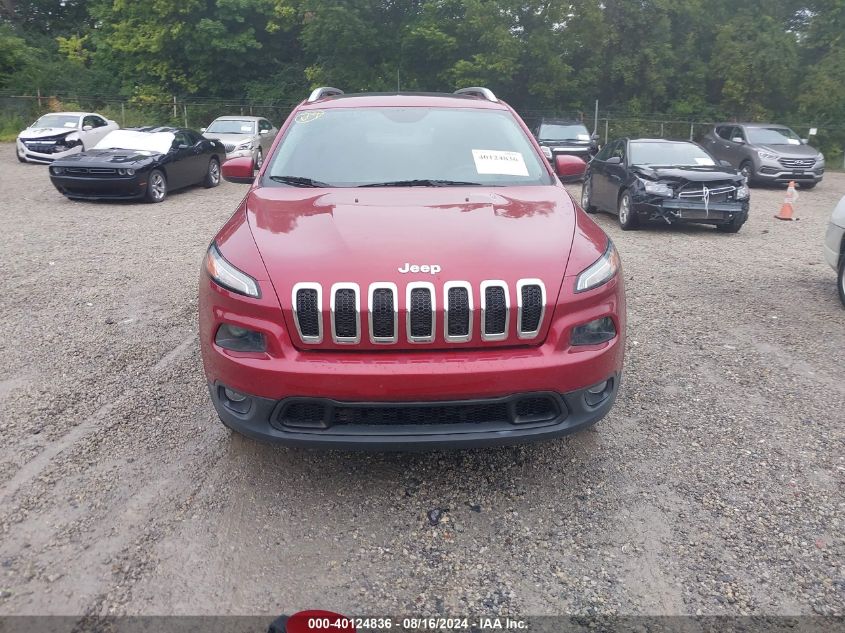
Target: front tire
587,195
212,174
841,279
628,219
731,227
156,186
746,168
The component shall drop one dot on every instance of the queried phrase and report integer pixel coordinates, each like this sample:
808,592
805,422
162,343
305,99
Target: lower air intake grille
519,409
308,312
382,313
345,313
532,308
495,310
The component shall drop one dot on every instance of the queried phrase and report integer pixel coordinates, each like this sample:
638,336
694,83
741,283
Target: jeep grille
421,316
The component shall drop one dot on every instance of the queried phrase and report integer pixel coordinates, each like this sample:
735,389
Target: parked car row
91,158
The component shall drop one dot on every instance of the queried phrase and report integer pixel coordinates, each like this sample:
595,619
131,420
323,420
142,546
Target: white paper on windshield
793,141
583,137
246,128
704,161
491,161
70,124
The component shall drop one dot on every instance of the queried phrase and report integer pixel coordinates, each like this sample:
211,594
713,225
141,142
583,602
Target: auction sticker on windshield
490,161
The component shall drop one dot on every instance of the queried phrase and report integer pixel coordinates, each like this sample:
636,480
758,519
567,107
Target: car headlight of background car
245,145
126,172
820,158
601,271
766,155
742,192
658,188
547,151
226,275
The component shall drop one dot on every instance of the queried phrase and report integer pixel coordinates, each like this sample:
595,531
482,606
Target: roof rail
483,93
324,91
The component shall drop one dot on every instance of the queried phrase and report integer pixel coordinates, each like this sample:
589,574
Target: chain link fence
18,111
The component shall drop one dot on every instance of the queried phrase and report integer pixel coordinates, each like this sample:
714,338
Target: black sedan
668,181
141,163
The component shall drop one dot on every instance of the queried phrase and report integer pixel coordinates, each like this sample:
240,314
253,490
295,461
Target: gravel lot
715,486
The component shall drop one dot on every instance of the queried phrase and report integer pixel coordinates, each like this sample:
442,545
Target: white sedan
61,134
834,245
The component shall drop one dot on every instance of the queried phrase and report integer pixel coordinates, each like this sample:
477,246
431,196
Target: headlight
244,145
594,332
126,172
742,192
602,271
226,275
820,157
239,339
658,188
547,151
766,155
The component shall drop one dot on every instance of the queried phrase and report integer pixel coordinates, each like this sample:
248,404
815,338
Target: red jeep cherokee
407,271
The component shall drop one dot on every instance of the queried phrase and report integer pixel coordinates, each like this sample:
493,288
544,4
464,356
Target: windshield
772,136
563,132
350,147
57,120
680,154
154,142
231,126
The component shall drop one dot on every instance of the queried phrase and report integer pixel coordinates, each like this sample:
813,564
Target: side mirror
613,160
569,166
86,128
240,170
737,139
203,129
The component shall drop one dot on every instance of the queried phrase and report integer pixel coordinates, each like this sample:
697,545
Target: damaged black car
666,181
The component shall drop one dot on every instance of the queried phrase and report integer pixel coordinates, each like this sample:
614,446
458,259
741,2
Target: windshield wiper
424,182
299,181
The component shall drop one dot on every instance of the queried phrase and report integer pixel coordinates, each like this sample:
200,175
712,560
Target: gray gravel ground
715,486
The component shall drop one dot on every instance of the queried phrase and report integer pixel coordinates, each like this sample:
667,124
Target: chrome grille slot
720,193
346,313
531,304
457,301
420,306
308,312
495,310
383,313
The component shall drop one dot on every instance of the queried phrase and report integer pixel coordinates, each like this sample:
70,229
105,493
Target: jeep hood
366,235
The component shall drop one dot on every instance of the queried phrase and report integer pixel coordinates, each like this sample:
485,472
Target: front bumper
118,188
833,243
769,171
43,157
264,419
675,210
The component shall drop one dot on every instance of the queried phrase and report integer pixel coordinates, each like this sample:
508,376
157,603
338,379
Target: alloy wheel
624,210
259,159
214,172
158,187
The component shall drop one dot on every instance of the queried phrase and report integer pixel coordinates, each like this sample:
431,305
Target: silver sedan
243,136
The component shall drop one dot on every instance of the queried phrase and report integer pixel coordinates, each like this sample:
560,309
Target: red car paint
284,235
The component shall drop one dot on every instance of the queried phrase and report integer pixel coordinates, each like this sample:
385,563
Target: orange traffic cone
790,197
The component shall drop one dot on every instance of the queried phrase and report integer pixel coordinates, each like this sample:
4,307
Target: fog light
598,393
57,170
233,395
234,400
594,332
240,339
